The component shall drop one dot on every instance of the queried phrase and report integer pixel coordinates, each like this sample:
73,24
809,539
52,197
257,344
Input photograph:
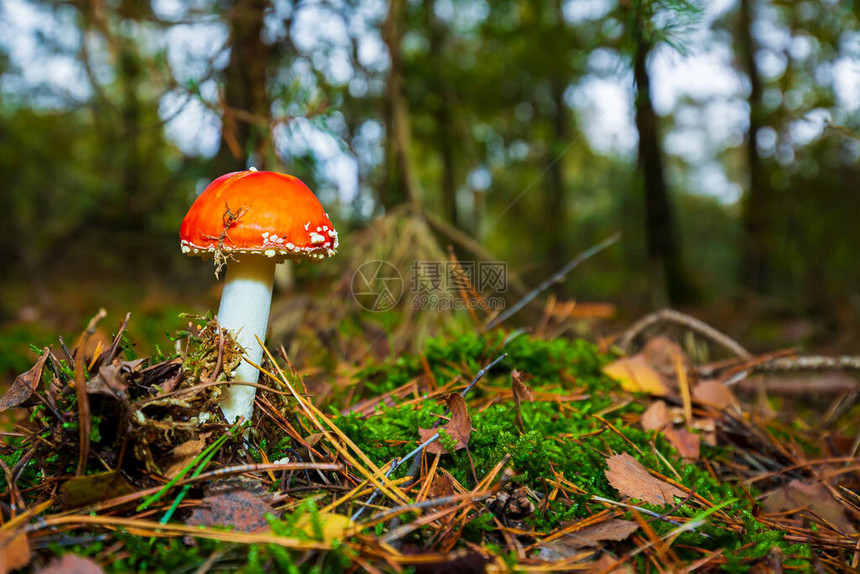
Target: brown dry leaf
183,454
113,379
24,386
458,428
590,536
714,394
630,478
14,551
815,497
572,309
709,430
441,486
656,417
238,508
313,439
89,489
686,442
521,391
434,447
660,353
637,376
165,376
72,564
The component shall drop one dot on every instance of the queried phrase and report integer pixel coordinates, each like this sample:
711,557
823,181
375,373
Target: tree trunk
756,219
133,204
667,282
554,217
245,134
555,206
449,173
443,113
400,184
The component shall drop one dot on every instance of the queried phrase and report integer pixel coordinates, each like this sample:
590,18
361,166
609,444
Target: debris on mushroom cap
259,212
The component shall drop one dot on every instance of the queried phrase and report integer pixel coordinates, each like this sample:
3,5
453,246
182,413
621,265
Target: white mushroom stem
244,310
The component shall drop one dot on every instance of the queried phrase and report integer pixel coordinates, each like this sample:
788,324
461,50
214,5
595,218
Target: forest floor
498,451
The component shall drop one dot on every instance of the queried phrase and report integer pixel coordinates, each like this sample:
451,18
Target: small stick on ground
557,277
809,363
81,392
114,347
672,316
70,360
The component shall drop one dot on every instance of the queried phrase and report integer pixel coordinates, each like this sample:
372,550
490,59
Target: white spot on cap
317,238
269,252
307,225
266,234
253,169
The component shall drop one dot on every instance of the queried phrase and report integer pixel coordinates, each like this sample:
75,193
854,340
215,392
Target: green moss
561,363
565,438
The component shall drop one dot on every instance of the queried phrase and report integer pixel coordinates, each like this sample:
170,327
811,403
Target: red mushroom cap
260,212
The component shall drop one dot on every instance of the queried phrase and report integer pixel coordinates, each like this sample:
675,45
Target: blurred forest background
720,137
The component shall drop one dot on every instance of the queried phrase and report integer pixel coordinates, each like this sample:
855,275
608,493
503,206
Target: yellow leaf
333,526
636,376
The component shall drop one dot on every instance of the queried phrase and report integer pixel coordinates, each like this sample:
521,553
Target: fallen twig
81,392
672,316
809,363
555,278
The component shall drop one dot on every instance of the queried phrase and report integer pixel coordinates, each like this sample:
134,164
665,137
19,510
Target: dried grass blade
156,529
374,474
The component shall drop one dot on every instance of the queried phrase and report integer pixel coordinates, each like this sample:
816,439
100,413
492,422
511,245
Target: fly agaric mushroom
254,219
